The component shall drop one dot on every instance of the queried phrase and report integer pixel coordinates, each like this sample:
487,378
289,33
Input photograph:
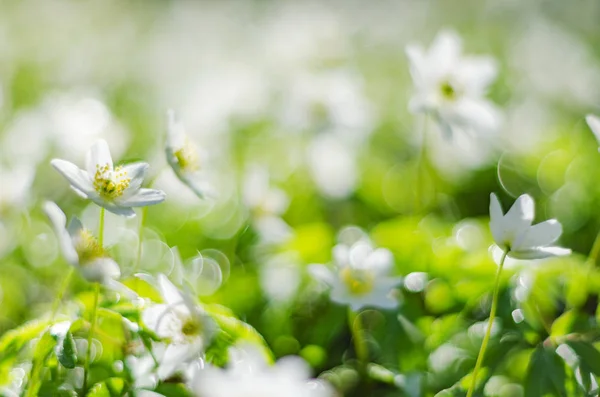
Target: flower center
191,327
109,183
87,247
187,157
448,91
358,282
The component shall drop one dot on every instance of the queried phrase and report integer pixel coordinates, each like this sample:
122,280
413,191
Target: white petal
540,253
380,261
120,288
100,270
142,198
322,273
341,255
125,211
171,295
521,214
475,113
416,59
136,173
98,155
175,132
445,51
594,123
497,220
78,178
540,235
59,221
477,73
175,355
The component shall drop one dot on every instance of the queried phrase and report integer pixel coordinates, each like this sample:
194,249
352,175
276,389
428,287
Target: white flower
183,157
514,233
182,323
80,248
360,277
451,86
248,375
594,123
117,189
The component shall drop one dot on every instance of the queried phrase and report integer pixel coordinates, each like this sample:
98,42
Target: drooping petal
98,156
77,177
540,235
135,172
125,211
59,221
142,198
594,123
100,270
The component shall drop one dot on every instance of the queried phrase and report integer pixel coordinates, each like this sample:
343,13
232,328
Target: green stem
88,355
419,167
61,293
101,228
488,332
360,346
593,258
141,231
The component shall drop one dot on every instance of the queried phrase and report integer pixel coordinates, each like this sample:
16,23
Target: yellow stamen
191,327
87,247
110,184
359,282
187,157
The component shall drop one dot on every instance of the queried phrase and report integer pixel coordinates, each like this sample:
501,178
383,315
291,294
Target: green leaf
66,351
13,341
546,374
588,355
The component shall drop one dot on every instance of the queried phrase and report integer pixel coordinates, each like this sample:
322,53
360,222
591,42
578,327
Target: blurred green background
301,111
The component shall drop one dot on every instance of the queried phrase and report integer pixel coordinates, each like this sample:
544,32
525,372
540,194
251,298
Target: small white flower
117,189
183,156
80,248
594,123
248,375
515,233
182,323
360,277
451,86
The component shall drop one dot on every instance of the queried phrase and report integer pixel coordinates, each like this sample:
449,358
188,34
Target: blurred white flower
452,87
280,277
117,189
332,164
81,249
183,323
513,232
184,158
248,375
360,276
594,123
267,204
16,185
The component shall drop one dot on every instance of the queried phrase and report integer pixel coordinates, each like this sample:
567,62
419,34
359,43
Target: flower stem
61,293
360,346
101,228
141,239
88,354
420,167
593,257
488,332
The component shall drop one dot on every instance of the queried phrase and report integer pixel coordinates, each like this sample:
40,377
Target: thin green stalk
419,167
488,332
141,239
593,258
61,293
360,346
101,228
88,355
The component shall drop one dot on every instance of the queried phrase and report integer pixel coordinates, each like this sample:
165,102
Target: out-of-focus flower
360,276
594,123
248,375
80,248
16,186
452,87
267,204
117,189
183,157
513,232
184,324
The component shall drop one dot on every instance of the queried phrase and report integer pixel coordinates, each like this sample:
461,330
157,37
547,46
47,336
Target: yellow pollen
110,184
187,157
448,91
87,247
191,327
358,282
